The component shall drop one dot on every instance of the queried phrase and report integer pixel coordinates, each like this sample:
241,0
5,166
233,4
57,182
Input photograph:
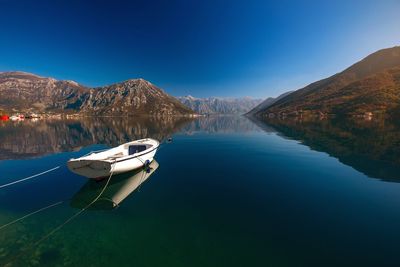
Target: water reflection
220,124
32,139
371,147
29,139
27,237
118,189
44,219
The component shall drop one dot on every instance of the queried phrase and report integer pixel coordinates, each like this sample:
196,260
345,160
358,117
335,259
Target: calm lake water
227,191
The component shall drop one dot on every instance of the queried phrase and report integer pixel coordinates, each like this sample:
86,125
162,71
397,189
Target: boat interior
129,149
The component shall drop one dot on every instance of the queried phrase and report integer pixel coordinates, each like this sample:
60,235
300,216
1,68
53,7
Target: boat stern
94,169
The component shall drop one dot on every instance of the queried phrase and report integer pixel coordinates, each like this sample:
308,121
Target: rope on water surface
36,211
28,178
30,214
82,210
57,167
65,222
55,204
58,203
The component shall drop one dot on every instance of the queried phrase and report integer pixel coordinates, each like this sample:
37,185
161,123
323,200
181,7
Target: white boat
127,157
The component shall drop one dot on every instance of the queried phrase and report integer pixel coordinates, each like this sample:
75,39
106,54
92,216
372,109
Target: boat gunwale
135,156
128,157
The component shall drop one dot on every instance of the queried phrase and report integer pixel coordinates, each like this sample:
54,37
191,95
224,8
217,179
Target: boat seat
136,149
115,156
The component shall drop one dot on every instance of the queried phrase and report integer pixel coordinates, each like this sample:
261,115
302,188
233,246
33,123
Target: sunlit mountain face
27,92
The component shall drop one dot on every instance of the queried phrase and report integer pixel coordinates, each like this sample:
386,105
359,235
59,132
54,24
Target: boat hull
98,169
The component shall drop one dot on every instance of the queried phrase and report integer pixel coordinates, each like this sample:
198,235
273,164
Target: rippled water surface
228,191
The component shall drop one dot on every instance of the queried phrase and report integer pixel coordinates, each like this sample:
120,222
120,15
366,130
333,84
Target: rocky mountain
23,91
215,105
370,85
267,103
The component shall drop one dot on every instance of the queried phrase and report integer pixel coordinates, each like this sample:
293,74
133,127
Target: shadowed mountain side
372,85
371,147
33,139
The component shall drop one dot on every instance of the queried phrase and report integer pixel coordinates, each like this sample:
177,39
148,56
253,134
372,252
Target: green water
227,191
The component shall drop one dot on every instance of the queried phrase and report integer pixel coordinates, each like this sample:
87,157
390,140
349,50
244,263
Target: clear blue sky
203,48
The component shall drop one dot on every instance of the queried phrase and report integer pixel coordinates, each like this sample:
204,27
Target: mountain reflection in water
371,147
223,181
30,139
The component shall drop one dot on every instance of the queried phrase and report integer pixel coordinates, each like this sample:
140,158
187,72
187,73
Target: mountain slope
267,103
214,105
22,91
132,97
370,85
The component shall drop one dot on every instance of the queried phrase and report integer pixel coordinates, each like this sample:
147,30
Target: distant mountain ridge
371,85
22,91
215,105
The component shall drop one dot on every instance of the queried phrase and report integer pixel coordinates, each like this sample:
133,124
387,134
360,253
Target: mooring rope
30,214
82,210
28,178
66,221
144,172
57,203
